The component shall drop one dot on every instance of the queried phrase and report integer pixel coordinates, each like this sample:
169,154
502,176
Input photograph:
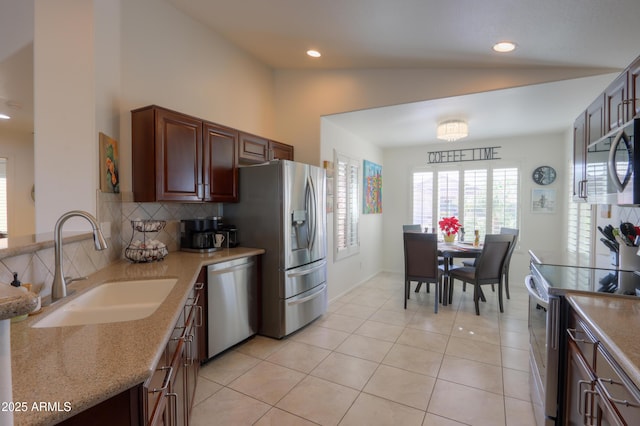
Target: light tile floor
368,361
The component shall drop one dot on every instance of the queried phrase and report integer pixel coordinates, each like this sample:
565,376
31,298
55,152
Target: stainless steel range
547,324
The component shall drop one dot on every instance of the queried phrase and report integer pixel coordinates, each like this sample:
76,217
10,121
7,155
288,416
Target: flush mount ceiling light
452,130
504,47
313,53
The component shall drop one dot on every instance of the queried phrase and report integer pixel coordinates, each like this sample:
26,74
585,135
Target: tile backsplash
81,258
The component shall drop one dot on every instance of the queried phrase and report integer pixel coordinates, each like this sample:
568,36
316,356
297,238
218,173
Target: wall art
372,188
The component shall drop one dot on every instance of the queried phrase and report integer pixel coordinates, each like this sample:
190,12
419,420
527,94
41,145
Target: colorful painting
109,180
372,188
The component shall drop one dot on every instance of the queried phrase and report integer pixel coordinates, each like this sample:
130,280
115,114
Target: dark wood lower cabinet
597,390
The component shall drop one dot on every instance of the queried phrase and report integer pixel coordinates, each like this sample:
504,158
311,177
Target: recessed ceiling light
313,53
504,46
4,116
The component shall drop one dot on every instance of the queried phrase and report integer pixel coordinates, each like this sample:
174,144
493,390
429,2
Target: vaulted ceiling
590,36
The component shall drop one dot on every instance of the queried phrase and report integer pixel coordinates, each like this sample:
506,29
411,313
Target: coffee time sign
458,155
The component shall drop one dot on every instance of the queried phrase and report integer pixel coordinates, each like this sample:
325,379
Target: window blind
346,206
475,201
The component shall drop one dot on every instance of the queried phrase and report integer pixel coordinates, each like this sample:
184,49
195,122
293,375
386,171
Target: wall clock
544,175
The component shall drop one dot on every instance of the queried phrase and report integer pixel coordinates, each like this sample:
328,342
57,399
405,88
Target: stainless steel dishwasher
232,303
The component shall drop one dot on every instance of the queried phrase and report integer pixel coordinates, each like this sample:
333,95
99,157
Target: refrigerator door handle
315,294
307,271
311,208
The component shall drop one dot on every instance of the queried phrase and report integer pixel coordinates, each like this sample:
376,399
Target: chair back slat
411,228
515,233
421,256
492,258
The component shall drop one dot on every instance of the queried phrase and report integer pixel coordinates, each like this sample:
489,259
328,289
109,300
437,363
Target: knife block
629,259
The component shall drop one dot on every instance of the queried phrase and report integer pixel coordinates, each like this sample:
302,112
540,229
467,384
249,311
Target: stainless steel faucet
59,287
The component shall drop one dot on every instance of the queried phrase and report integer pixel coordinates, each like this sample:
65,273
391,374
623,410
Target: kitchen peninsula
73,368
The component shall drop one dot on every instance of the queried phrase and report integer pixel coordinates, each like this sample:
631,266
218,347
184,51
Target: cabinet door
178,157
201,291
634,87
280,151
221,163
616,103
253,149
177,392
579,158
595,120
579,389
190,360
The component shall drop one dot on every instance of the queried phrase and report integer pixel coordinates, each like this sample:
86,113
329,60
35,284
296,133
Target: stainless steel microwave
611,164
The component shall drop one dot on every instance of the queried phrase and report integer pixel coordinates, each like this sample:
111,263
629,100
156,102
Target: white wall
348,272
64,94
525,152
171,60
303,96
17,147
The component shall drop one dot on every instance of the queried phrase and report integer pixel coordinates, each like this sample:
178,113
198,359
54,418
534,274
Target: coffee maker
206,235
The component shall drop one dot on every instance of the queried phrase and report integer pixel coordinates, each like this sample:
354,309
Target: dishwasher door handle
231,269
309,297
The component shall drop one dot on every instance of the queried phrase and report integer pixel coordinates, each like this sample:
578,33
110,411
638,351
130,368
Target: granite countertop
80,366
15,302
616,322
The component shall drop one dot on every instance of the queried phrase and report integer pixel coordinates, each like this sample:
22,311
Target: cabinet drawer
580,334
618,389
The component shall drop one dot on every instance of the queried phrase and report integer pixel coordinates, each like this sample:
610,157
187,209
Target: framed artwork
328,167
109,180
372,188
543,200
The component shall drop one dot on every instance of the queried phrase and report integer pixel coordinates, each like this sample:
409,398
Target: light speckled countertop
616,322
84,365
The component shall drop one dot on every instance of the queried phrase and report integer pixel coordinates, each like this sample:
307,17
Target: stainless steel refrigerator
282,209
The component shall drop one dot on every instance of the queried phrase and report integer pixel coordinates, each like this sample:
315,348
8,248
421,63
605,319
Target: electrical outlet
105,227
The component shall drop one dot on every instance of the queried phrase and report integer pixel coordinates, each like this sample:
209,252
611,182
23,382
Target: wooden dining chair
487,270
421,263
418,228
503,231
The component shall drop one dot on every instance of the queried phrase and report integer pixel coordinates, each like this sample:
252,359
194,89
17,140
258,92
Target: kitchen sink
113,301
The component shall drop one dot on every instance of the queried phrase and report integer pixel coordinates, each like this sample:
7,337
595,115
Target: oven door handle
528,283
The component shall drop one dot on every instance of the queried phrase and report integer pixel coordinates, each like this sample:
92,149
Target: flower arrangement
450,225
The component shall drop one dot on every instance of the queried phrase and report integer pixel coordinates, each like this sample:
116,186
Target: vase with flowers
449,227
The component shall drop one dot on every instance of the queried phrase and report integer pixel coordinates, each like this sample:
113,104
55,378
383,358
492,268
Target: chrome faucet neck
59,286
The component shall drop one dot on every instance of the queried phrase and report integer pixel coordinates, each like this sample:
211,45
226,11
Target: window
578,226
423,198
483,199
346,240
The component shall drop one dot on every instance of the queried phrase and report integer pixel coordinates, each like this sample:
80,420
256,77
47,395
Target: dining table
450,251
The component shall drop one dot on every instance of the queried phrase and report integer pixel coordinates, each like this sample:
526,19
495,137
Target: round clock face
544,175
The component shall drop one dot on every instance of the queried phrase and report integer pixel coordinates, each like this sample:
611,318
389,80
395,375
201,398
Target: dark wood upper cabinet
617,107
221,177
634,87
167,155
176,157
254,149
579,158
595,120
280,151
